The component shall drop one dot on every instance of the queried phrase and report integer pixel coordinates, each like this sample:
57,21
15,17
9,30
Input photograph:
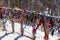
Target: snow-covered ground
27,31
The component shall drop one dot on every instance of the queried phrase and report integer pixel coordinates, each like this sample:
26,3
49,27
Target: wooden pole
28,4
14,3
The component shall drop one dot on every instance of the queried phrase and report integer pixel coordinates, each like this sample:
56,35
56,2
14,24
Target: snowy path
27,31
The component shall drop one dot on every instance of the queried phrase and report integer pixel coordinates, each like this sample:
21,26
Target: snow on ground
24,38
2,33
10,37
27,31
8,26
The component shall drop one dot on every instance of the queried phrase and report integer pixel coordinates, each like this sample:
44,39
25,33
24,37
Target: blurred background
51,7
